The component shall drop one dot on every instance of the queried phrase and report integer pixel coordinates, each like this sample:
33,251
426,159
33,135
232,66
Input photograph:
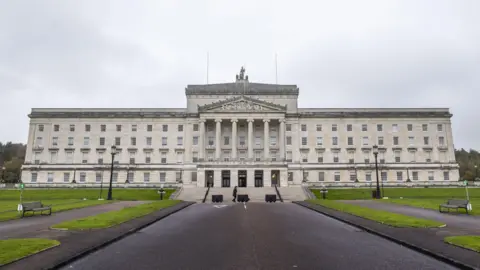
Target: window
165,128
242,140
56,128
53,157
415,176
226,155
380,140
149,141
132,161
397,156
399,176
379,127
304,156
289,156
321,176
164,141
148,159
41,128
290,176
383,176
103,128
55,141
84,157
334,140
163,177
368,176
39,141
134,128
336,177
446,176
288,127
305,176
319,140
335,157
102,140
87,128
70,141
149,128
273,140
425,140
66,177
412,156
146,177
50,177
439,127
319,127
395,140
350,140
411,140
353,177
115,177
304,140
179,140
258,140
395,127
364,127
83,177
100,160
119,128
366,157
98,177
349,127
86,141
195,140
289,140
424,127
430,176
304,127
441,140
163,157
365,140
428,156
258,155
133,141
179,128
195,127
195,156
34,177
117,141
320,157
72,128
334,127
226,140
409,127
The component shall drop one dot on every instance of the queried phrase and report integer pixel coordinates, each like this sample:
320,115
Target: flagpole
208,56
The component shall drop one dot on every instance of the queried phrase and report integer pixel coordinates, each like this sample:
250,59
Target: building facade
240,134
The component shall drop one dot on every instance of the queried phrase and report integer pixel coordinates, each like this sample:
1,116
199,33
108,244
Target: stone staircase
192,194
292,193
257,194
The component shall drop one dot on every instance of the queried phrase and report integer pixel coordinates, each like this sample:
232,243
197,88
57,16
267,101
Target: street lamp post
3,174
375,153
113,152
408,176
476,173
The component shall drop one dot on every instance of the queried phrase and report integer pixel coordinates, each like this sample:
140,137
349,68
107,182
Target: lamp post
408,176
113,152
476,173
3,174
375,153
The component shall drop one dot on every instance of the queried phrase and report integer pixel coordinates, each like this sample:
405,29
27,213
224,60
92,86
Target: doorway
275,178
242,178
225,178
208,178
259,178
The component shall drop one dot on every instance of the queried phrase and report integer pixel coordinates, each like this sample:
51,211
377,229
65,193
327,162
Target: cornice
372,114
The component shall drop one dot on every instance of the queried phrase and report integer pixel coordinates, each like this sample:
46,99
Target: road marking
219,206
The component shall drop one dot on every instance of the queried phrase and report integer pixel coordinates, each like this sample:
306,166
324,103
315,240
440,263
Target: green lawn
411,193
123,194
15,249
57,206
434,203
466,241
112,218
384,217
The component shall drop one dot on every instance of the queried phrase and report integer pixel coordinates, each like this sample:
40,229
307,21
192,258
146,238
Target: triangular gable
241,103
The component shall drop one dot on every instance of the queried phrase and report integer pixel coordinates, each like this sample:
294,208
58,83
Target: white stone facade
240,133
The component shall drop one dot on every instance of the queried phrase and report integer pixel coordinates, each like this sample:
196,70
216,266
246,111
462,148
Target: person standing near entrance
234,194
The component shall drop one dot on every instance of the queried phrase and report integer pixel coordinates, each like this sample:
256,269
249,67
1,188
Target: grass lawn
123,194
411,193
384,217
466,241
434,203
112,218
57,206
15,249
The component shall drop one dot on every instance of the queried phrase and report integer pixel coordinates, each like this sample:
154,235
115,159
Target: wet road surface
260,236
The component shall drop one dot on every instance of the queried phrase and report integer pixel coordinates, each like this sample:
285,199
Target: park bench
454,204
35,207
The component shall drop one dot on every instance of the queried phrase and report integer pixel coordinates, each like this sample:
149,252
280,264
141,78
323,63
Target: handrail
278,193
206,194
308,192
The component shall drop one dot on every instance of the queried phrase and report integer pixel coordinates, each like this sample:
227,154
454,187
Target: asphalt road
262,236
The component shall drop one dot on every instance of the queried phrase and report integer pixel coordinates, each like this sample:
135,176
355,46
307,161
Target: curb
424,251
92,249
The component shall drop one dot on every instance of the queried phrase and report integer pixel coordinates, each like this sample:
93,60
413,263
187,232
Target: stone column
201,140
250,138
218,144
267,178
217,178
233,178
250,178
266,137
234,139
281,139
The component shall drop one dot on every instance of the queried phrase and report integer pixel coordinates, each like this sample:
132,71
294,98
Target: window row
119,128
365,140
368,176
367,157
364,127
100,177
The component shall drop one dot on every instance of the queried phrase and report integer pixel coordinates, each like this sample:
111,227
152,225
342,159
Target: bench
454,204
35,207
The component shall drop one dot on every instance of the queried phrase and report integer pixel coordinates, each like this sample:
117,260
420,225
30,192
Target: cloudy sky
416,53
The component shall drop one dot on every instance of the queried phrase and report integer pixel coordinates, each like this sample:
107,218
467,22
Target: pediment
242,104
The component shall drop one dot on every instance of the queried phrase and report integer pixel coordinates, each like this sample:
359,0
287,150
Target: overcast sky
143,53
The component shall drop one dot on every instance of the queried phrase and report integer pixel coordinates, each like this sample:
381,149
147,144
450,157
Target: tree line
12,156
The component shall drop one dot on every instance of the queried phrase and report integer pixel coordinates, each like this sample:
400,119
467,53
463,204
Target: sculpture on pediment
242,106
242,73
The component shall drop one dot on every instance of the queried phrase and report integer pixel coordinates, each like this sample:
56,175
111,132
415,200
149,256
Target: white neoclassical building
240,134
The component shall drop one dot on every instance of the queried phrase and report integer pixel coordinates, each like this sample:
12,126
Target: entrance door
208,178
242,178
275,178
225,178
258,178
